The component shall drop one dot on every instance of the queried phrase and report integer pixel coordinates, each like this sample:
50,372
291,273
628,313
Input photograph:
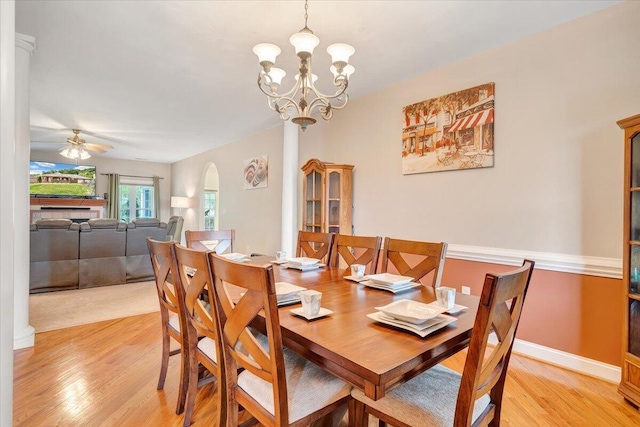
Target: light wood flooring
105,374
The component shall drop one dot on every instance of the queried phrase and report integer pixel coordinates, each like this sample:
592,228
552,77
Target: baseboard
577,264
24,339
565,360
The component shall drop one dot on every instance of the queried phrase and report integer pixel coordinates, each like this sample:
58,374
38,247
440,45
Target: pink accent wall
574,313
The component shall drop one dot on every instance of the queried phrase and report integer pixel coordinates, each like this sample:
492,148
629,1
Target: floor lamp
181,203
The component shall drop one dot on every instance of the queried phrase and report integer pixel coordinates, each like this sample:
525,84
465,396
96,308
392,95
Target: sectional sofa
100,252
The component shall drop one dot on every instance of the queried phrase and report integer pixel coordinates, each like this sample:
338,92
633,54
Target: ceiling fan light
84,155
65,152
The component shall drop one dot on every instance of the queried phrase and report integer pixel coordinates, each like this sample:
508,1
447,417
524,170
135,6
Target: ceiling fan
78,148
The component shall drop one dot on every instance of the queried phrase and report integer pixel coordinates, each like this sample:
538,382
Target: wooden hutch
630,381
327,197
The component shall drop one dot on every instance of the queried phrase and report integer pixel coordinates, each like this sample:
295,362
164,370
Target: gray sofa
174,228
99,252
103,245
54,255
137,253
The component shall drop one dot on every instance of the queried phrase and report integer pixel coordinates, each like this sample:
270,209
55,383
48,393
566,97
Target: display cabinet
327,190
630,381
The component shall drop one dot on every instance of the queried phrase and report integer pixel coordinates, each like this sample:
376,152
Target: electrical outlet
466,290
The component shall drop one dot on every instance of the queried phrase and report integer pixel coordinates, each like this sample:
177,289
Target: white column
7,137
24,333
289,188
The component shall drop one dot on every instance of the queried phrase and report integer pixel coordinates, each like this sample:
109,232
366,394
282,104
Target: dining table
371,356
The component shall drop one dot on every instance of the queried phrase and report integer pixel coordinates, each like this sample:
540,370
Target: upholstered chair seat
426,400
309,388
208,347
174,322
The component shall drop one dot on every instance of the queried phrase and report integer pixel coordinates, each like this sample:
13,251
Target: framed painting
256,172
450,132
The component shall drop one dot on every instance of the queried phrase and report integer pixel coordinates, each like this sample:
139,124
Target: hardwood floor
105,374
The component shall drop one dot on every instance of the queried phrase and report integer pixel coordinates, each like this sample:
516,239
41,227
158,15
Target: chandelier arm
275,104
326,99
342,89
290,94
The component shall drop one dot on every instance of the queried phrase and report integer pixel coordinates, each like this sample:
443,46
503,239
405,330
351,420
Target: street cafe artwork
256,172
450,132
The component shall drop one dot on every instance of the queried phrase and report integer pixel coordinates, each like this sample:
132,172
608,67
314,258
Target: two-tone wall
555,192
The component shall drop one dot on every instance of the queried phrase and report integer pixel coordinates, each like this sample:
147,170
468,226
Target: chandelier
304,99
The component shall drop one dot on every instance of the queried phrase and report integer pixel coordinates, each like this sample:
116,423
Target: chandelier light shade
299,103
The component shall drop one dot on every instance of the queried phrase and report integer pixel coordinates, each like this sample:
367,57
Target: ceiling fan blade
103,146
90,147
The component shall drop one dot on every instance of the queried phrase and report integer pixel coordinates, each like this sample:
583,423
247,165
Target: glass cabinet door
313,202
334,202
634,219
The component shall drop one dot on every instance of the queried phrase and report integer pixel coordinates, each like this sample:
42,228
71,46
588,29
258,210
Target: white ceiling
164,80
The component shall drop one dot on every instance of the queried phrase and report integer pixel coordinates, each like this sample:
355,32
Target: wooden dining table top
367,354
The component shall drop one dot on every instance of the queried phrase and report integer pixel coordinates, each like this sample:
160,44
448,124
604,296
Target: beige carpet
63,309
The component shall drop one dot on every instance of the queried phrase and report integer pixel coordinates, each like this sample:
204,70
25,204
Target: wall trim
577,264
25,338
565,360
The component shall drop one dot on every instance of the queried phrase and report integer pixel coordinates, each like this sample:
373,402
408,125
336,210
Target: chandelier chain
306,12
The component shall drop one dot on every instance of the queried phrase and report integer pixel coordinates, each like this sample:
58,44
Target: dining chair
170,314
430,398
315,245
192,274
224,240
275,386
356,250
414,259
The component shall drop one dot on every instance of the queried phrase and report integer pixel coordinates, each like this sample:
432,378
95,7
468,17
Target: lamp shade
304,42
347,71
277,74
181,202
266,52
340,52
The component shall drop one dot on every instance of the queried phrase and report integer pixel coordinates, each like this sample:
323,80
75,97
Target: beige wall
254,214
123,167
556,186
557,181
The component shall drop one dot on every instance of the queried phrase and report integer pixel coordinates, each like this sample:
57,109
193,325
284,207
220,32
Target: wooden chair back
356,250
170,304
242,349
161,263
485,372
225,240
315,245
431,258
194,277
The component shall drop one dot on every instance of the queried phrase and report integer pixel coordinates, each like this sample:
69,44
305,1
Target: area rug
57,310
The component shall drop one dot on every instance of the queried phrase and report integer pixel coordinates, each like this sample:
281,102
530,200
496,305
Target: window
136,199
210,209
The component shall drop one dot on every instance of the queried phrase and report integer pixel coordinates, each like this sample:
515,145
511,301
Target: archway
210,199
